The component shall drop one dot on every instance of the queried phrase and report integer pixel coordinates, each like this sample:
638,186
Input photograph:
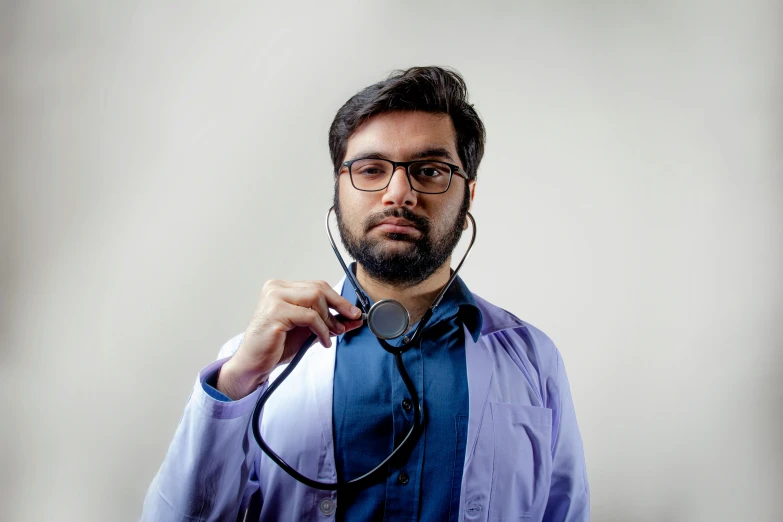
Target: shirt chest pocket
522,461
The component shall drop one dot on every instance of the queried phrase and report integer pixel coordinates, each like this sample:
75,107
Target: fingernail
355,311
340,328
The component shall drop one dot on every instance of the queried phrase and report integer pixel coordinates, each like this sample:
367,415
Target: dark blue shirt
371,413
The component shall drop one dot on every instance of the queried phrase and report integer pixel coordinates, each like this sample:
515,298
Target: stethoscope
387,319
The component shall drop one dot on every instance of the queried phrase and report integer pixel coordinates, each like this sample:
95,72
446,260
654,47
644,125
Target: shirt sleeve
210,387
569,494
209,472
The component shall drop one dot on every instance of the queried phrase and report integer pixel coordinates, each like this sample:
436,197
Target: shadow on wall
10,242
6,167
770,409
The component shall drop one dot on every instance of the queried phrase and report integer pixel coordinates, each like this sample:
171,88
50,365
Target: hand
287,313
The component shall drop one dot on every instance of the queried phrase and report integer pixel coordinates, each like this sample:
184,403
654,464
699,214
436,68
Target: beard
401,267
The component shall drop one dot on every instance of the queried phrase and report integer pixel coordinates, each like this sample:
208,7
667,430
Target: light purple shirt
524,457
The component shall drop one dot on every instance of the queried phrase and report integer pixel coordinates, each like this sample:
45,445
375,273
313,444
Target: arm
209,470
569,494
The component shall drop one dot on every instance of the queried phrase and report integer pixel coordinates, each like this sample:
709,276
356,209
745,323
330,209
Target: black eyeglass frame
453,169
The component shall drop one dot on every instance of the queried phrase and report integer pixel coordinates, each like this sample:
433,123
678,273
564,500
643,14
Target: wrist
236,383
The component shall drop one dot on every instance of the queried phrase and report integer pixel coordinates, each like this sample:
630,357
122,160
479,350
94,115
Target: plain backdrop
161,160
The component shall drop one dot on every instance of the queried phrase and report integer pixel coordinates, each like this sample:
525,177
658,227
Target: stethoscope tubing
396,351
418,415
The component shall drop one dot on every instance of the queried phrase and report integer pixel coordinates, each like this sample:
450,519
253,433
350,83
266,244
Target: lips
394,225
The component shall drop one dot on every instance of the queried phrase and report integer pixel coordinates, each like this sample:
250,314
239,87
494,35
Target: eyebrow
434,152
437,152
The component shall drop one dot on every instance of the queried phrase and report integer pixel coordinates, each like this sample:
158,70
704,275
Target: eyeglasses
425,176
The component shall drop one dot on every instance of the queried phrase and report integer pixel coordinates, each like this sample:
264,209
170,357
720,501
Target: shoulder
503,330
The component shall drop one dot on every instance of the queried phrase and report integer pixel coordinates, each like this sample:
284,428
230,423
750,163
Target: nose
399,191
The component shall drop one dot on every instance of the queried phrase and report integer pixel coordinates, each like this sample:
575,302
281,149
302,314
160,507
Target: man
500,439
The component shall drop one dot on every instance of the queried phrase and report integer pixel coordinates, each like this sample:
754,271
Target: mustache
419,222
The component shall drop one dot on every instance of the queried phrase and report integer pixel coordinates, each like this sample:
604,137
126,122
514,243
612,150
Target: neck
416,299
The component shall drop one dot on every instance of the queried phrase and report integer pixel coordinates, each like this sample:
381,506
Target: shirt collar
457,300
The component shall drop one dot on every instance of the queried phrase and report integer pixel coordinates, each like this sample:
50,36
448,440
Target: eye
370,168
430,170
366,171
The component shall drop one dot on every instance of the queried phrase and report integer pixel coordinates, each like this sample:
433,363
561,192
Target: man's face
425,228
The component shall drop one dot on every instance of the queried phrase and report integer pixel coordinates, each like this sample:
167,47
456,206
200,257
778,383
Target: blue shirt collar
458,300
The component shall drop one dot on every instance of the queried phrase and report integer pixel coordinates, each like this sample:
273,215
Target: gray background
161,160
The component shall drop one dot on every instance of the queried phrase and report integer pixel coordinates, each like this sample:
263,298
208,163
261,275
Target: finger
340,304
310,296
293,316
334,300
351,324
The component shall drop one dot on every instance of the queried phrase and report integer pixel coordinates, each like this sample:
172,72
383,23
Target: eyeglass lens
426,176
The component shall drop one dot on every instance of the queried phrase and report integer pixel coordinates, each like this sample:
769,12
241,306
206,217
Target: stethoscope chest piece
388,319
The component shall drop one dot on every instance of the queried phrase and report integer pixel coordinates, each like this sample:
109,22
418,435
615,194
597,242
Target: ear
472,188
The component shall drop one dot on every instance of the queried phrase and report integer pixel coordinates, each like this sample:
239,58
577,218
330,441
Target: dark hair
427,89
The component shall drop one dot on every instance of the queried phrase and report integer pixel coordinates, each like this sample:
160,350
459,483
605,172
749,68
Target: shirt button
327,506
403,478
407,404
406,339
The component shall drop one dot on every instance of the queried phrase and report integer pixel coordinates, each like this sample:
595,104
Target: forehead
400,135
